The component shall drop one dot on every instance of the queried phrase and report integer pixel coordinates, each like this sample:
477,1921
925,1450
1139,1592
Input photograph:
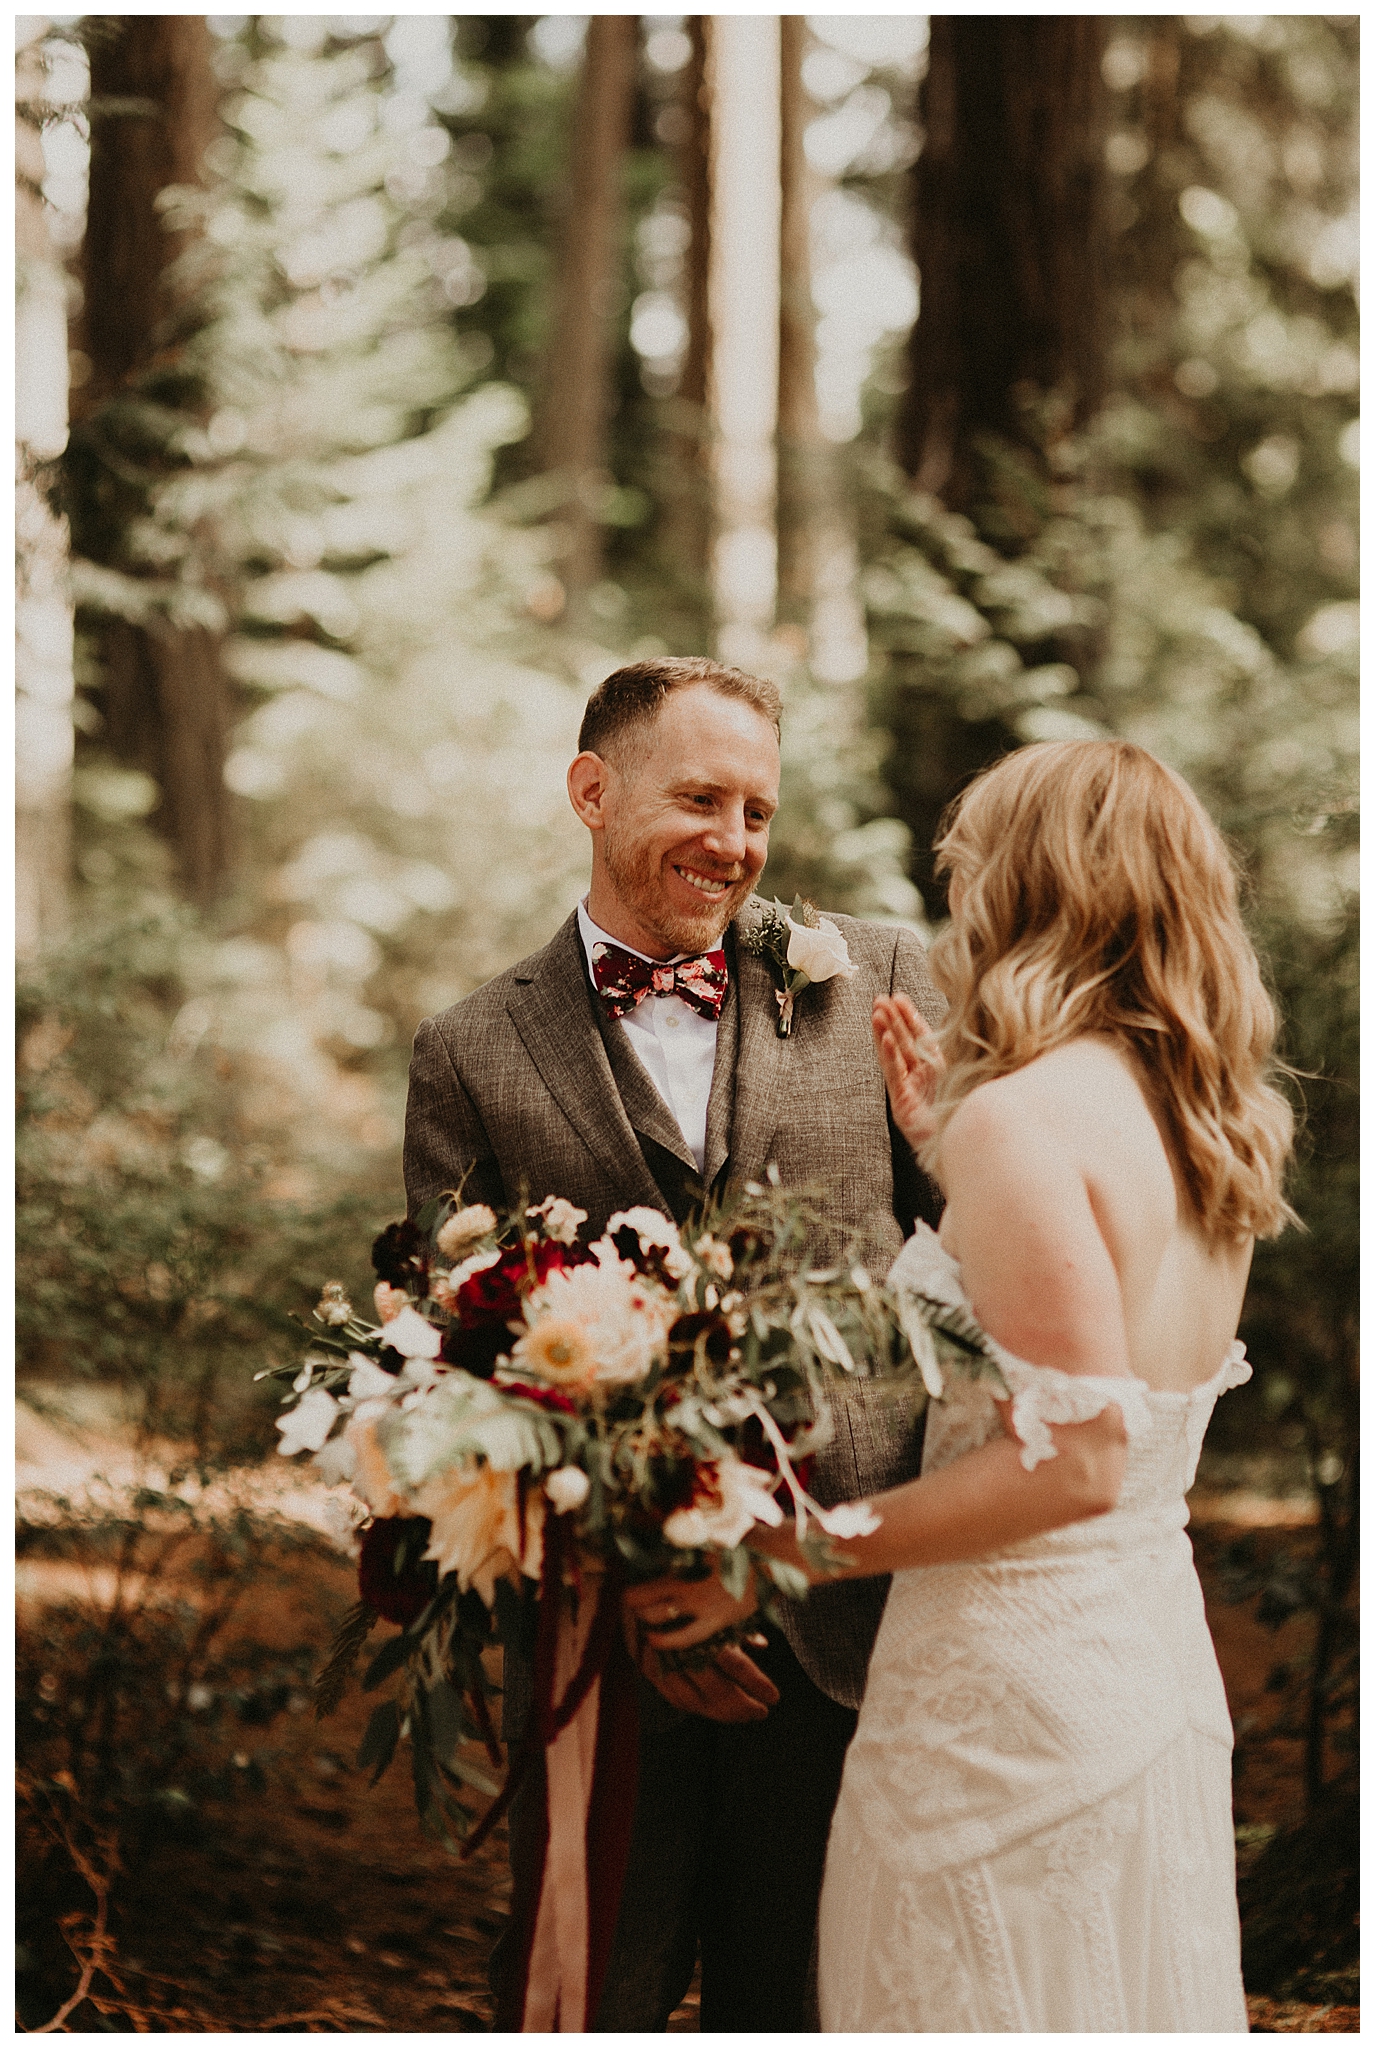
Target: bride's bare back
1076,1245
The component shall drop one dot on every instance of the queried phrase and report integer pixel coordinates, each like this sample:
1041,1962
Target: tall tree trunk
1007,235
743,66
577,384
43,675
688,511
167,697
802,491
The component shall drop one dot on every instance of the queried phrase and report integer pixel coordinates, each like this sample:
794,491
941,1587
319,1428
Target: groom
635,1060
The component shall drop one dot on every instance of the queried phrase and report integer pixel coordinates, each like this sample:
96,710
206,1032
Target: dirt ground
312,1903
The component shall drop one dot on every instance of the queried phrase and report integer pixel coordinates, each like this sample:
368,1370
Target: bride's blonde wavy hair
1098,896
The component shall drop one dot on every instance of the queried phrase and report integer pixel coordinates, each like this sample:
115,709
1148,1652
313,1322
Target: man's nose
726,836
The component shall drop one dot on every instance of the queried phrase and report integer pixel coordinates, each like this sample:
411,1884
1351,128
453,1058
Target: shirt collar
592,934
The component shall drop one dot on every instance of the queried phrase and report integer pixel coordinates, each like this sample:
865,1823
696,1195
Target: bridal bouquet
530,1420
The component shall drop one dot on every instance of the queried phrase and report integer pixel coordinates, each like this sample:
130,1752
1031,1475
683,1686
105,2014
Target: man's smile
713,887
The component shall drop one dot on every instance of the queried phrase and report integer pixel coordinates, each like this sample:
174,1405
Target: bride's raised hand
912,1065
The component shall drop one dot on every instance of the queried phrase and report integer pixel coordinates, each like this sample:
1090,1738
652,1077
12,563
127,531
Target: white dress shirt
675,1044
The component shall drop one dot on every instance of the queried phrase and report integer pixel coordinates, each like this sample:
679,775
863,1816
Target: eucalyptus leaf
448,1721
380,1738
389,1658
788,1578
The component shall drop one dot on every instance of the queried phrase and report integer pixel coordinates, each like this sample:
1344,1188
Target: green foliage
156,1244
1235,249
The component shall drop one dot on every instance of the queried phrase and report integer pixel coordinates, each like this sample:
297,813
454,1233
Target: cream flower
623,1317
368,1380
412,1335
372,1475
465,1228
476,1528
819,951
559,1350
336,1462
334,1305
561,1220
656,1233
714,1256
850,1518
567,1488
732,1497
305,1427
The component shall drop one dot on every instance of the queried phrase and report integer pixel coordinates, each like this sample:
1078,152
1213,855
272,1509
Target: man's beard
635,877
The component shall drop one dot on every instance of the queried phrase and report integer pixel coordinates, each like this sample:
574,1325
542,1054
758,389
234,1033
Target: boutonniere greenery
800,947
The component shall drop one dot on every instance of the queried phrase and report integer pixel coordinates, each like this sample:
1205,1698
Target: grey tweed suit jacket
525,1088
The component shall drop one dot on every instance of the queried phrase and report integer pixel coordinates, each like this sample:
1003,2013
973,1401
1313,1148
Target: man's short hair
634,695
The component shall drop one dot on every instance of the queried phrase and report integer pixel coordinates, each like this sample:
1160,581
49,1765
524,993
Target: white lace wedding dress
1034,1832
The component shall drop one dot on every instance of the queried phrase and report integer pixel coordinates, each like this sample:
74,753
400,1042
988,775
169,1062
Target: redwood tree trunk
167,697
801,453
1007,235
577,385
162,60
688,496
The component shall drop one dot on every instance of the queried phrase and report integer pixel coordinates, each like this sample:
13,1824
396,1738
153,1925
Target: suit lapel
761,1069
721,1104
552,1011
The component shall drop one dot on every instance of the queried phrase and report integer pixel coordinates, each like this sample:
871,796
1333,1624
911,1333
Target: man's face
684,811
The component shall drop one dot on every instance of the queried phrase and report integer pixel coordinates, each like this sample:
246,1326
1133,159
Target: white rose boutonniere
801,947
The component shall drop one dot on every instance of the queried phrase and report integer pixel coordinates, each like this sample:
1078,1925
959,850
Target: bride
1034,1832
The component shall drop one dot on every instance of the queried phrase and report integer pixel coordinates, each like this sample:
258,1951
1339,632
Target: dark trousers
727,1855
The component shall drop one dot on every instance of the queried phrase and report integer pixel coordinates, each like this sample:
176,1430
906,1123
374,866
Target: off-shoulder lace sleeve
1041,1394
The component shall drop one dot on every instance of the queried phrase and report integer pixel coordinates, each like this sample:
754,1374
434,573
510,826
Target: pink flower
389,1301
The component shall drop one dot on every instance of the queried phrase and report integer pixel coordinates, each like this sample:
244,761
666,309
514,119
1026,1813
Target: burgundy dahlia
495,1293
401,1257
399,1595
476,1349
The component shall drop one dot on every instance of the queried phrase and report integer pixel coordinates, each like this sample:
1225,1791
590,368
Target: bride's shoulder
1080,1109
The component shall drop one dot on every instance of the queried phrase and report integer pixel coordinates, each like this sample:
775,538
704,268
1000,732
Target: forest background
383,382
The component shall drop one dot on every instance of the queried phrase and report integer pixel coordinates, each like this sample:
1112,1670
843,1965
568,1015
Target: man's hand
675,1613
912,1065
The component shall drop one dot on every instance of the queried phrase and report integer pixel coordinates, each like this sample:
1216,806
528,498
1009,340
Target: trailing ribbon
585,1750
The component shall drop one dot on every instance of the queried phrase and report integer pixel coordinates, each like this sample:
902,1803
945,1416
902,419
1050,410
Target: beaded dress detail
1034,1831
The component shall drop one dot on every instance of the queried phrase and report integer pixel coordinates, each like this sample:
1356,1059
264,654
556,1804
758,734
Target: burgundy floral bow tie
624,979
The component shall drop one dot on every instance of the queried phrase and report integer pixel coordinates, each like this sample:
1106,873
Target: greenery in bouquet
642,1404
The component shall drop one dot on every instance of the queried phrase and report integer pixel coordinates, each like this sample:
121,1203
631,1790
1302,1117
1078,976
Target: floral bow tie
624,979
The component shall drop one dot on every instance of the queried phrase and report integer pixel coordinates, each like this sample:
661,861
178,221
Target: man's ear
589,778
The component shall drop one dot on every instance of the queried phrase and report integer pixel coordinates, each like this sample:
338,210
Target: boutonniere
800,947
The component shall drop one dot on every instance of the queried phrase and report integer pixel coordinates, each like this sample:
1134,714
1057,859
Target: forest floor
298,1899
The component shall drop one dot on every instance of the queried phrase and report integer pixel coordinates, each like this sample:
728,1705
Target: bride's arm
1041,1281
982,1502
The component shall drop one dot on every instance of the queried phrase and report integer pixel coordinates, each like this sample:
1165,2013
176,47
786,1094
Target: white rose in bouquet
743,1495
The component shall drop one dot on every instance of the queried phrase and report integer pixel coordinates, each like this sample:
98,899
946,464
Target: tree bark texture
167,697
43,673
688,494
577,382
803,494
1008,237
162,61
